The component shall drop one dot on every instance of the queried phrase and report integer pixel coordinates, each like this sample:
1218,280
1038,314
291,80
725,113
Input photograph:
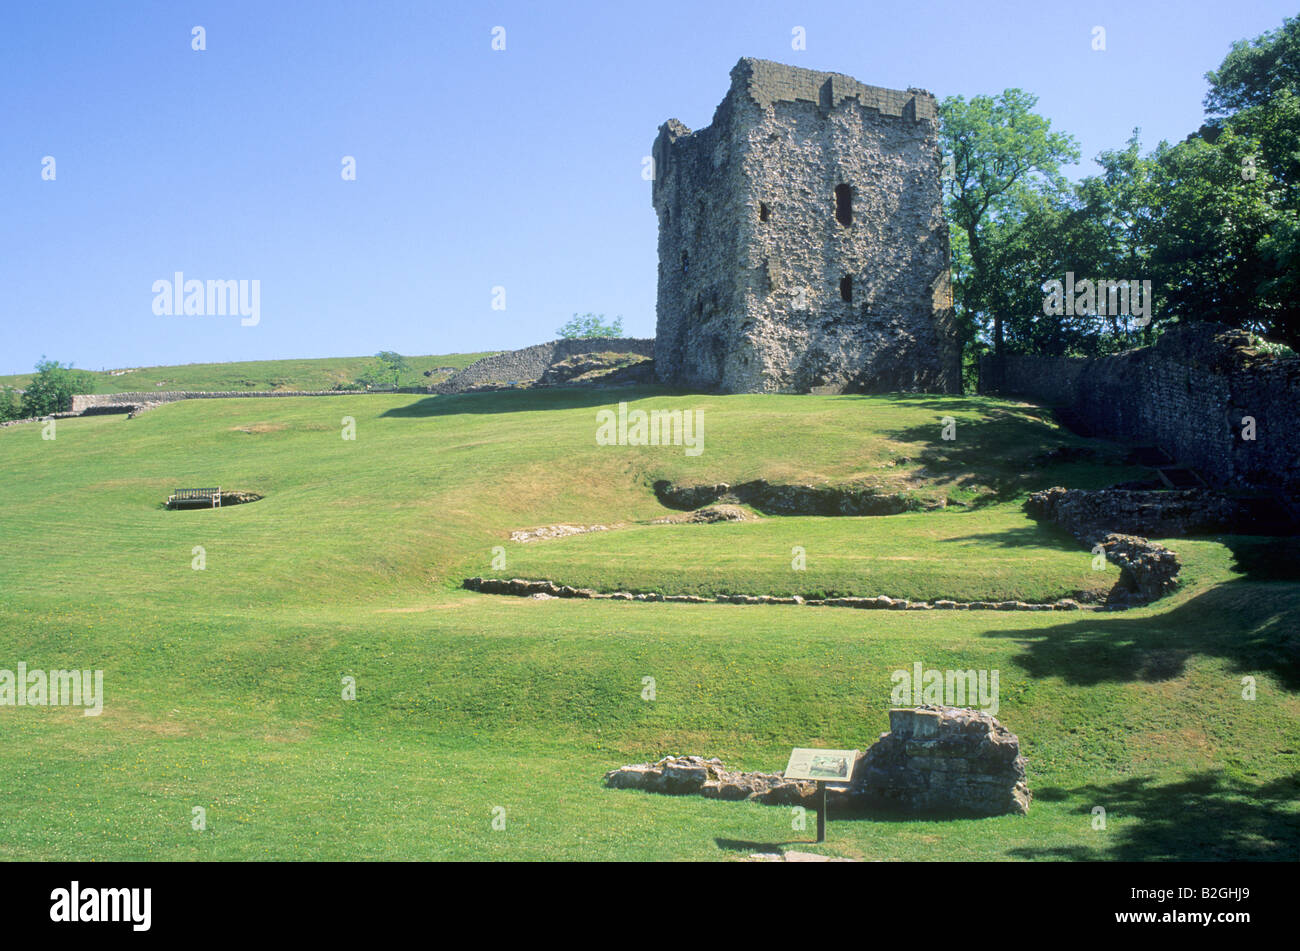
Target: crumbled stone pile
684,775
523,587
1148,570
593,367
933,760
945,760
529,365
1146,567
554,531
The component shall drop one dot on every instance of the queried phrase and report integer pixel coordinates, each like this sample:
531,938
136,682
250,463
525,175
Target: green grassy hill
306,374
224,686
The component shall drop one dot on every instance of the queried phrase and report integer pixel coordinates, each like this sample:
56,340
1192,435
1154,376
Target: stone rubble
694,775
522,587
1148,570
934,760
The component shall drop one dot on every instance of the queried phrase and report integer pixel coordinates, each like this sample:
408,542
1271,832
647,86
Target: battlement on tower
802,242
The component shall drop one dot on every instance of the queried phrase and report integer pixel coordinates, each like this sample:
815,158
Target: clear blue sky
475,168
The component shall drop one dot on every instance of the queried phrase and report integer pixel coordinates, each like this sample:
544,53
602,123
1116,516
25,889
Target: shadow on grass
1265,559
999,455
577,397
526,400
1205,817
972,404
1033,535
740,845
1254,626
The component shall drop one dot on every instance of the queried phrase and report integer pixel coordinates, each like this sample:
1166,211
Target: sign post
821,813
822,766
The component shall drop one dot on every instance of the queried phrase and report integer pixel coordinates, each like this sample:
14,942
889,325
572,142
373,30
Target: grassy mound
224,686
991,554
305,374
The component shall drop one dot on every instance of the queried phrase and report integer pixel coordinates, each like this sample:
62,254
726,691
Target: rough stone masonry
802,241
934,760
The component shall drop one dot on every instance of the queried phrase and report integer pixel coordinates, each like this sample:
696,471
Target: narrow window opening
686,262
844,204
846,289
764,212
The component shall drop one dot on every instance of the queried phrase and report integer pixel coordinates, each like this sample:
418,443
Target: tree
385,370
10,404
1255,96
393,359
590,325
1253,72
52,389
1002,153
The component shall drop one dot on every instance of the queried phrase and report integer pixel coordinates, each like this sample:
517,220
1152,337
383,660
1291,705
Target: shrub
52,388
10,405
591,325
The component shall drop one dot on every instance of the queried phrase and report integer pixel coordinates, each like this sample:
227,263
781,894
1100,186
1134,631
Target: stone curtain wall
1187,395
752,256
528,365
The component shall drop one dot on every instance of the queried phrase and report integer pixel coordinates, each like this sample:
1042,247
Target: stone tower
802,241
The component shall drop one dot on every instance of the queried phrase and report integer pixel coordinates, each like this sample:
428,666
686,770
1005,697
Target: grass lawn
991,554
224,686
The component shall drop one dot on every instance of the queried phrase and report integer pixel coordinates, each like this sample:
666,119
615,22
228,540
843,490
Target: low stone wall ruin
1089,514
934,760
1148,570
524,588
792,499
945,760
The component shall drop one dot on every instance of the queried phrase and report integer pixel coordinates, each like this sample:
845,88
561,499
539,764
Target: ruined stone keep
802,241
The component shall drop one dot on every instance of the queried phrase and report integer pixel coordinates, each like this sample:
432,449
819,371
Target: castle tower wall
806,189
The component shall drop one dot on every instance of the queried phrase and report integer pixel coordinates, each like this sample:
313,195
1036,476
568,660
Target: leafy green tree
1001,154
10,404
1254,114
385,370
393,359
591,325
52,389
1254,71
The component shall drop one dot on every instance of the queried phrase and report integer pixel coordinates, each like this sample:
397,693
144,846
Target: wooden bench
186,498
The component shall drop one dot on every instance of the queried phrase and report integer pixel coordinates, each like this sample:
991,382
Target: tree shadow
1005,452
1264,559
526,400
1033,535
740,845
974,404
1203,817
1254,626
